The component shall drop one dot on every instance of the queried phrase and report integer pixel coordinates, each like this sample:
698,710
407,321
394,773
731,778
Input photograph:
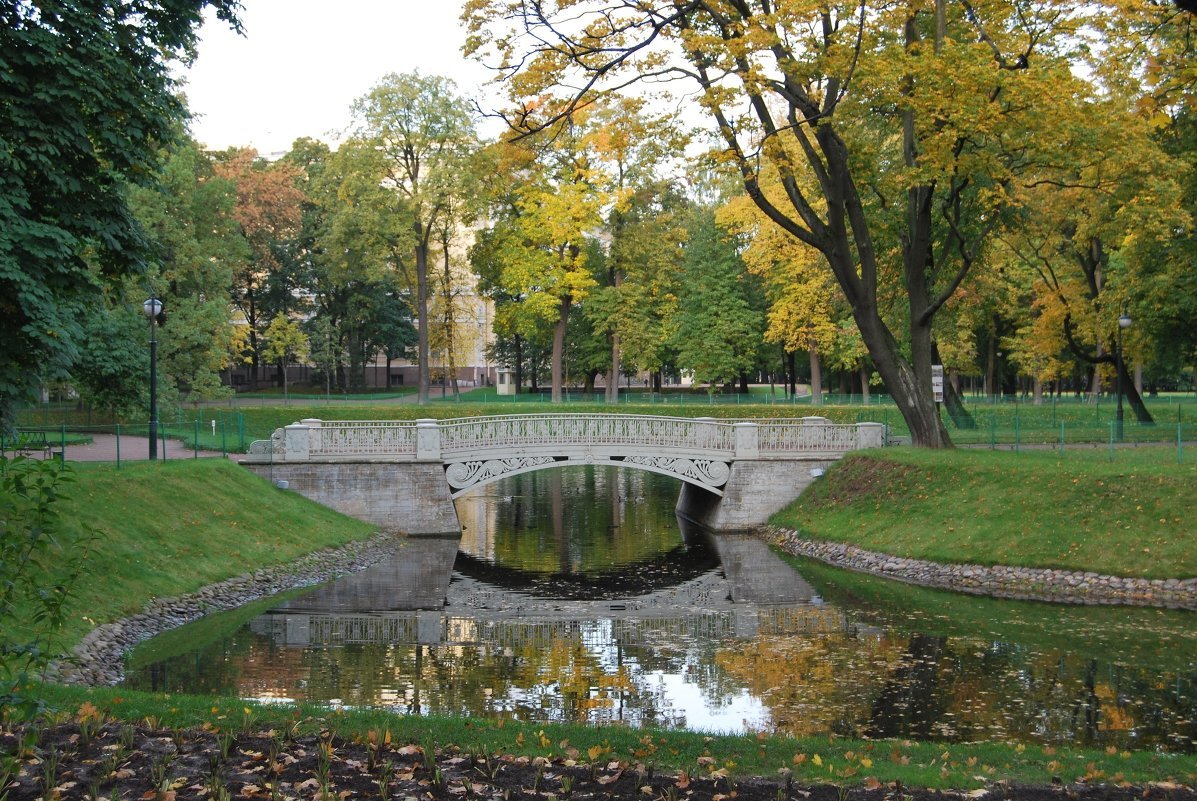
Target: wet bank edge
98,659
996,581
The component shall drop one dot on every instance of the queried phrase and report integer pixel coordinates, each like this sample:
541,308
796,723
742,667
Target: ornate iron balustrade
633,436
809,434
469,435
361,438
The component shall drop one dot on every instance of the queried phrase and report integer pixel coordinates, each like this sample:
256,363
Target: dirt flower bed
92,760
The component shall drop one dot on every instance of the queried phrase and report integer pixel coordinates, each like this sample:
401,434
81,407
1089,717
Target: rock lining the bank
1024,583
98,659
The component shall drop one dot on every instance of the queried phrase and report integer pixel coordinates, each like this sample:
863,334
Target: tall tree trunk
1095,378
423,354
450,316
519,363
251,319
558,365
991,378
612,388
864,384
816,378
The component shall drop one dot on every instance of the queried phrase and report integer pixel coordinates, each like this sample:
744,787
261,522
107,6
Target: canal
576,595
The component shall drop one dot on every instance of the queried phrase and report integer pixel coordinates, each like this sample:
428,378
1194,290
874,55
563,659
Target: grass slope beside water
168,529
1130,518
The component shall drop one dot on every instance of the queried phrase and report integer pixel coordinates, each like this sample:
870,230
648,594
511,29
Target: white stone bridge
404,474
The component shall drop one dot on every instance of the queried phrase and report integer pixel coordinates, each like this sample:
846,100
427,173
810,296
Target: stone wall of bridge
753,493
411,497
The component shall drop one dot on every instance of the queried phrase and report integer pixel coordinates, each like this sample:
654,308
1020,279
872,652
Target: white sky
302,63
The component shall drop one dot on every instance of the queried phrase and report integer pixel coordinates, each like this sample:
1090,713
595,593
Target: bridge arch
705,474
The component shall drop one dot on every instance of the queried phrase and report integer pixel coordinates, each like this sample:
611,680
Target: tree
910,122
86,99
269,212
718,329
423,133
538,248
286,343
195,241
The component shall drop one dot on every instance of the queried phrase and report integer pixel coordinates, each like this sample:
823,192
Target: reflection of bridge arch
675,566
405,474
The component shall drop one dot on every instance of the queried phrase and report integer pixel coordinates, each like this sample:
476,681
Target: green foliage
85,100
113,366
718,329
37,574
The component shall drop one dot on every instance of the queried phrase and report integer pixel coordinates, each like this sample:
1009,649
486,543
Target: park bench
31,442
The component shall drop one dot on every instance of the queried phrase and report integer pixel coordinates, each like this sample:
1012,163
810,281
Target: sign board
937,382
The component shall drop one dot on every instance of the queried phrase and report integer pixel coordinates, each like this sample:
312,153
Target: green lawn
1133,517
170,528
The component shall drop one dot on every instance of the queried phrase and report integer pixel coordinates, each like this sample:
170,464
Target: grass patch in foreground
812,760
1131,518
168,529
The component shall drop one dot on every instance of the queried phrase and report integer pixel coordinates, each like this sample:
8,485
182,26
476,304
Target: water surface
575,595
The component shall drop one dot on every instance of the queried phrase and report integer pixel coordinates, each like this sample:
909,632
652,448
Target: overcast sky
302,63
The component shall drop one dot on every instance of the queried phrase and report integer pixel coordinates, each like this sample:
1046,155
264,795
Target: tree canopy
86,100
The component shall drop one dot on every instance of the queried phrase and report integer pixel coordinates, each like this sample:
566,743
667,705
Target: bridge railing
467,435
816,434
441,439
360,438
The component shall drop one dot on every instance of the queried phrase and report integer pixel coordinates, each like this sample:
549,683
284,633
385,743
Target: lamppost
152,308
1124,321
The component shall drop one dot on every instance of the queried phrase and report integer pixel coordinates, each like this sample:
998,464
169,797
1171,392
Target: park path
104,448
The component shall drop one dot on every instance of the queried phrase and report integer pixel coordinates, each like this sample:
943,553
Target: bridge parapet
424,440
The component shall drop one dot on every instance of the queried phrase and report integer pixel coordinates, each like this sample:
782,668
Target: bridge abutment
753,492
412,498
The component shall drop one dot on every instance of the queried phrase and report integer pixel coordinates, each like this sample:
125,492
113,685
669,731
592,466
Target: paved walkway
103,448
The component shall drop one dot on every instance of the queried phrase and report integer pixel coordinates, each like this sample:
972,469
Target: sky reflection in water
576,597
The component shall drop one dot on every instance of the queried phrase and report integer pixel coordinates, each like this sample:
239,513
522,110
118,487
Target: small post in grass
118,446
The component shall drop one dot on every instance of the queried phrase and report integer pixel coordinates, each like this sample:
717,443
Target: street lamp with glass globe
1124,321
153,308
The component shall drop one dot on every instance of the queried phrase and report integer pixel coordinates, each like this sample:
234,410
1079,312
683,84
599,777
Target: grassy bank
814,760
167,529
1133,517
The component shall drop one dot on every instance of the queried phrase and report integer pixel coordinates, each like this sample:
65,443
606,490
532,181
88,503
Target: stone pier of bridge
403,475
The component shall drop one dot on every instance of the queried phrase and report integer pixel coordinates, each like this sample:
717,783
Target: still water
576,595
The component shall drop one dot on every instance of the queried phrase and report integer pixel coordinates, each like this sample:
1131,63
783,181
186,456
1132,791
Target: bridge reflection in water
404,600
